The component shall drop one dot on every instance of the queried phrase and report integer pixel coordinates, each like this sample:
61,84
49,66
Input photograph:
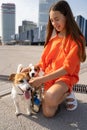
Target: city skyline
29,10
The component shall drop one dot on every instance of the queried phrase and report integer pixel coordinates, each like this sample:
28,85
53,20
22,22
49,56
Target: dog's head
21,83
21,80
34,70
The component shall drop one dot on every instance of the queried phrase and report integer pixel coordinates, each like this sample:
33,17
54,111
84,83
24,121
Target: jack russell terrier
35,71
21,89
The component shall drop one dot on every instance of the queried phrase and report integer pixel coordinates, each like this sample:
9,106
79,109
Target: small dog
35,71
21,89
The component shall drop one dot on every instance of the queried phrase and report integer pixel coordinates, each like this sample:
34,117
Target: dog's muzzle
26,93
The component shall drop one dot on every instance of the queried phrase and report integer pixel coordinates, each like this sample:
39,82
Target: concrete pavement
10,57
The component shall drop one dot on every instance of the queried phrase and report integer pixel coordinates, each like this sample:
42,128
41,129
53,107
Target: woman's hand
36,82
25,69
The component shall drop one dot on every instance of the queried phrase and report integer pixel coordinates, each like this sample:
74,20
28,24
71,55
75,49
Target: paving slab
10,57
64,120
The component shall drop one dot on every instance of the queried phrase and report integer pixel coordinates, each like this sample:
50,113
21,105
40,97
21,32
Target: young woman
60,60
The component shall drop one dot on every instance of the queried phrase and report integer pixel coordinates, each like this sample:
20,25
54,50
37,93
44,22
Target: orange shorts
65,80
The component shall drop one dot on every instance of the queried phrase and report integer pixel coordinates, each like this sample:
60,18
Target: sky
28,10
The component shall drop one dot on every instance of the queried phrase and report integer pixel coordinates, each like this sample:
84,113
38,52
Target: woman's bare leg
53,97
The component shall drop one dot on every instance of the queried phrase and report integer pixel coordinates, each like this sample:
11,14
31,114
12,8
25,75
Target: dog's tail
19,68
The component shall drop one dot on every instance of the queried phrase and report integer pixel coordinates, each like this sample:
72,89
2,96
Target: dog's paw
28,112
17,113
36,108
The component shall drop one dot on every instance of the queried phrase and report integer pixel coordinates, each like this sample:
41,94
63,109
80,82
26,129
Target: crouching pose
60,60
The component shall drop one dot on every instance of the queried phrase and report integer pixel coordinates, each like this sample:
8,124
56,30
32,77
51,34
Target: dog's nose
28,89
32,74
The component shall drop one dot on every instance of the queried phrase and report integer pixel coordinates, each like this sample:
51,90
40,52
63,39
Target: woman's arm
56,74
37,81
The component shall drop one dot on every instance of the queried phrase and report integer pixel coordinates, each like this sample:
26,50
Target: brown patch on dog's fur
17,77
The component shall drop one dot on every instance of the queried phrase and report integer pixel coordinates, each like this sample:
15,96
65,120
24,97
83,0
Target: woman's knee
49,105
48,99
48,111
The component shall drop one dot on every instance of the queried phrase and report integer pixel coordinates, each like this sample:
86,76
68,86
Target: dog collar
20,94
21,89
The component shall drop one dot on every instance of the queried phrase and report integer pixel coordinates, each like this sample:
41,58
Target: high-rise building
27,25
26,30
44,6
82,23
86,32
8,21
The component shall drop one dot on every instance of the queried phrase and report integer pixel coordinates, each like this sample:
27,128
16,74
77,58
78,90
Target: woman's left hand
36,82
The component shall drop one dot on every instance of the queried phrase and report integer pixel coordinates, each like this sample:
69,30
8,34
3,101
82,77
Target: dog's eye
35,69
21,81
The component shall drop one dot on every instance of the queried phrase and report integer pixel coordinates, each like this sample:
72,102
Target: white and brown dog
35,71
21,89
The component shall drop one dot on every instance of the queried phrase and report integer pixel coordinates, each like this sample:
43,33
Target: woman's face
58,21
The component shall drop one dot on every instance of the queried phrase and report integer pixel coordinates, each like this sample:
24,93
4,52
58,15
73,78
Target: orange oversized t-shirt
56,56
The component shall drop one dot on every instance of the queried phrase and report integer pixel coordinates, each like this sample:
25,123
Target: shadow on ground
64,120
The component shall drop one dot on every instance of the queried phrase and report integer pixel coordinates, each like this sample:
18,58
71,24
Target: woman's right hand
25,69
36,81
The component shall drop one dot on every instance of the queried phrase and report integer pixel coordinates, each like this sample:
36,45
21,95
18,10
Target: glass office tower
8,21
82,23
44,6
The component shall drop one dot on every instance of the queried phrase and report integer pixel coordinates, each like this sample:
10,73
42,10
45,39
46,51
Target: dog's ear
30,65
19,68
11,77
37,67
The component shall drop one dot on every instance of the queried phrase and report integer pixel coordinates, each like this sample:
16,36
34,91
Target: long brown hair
72,28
